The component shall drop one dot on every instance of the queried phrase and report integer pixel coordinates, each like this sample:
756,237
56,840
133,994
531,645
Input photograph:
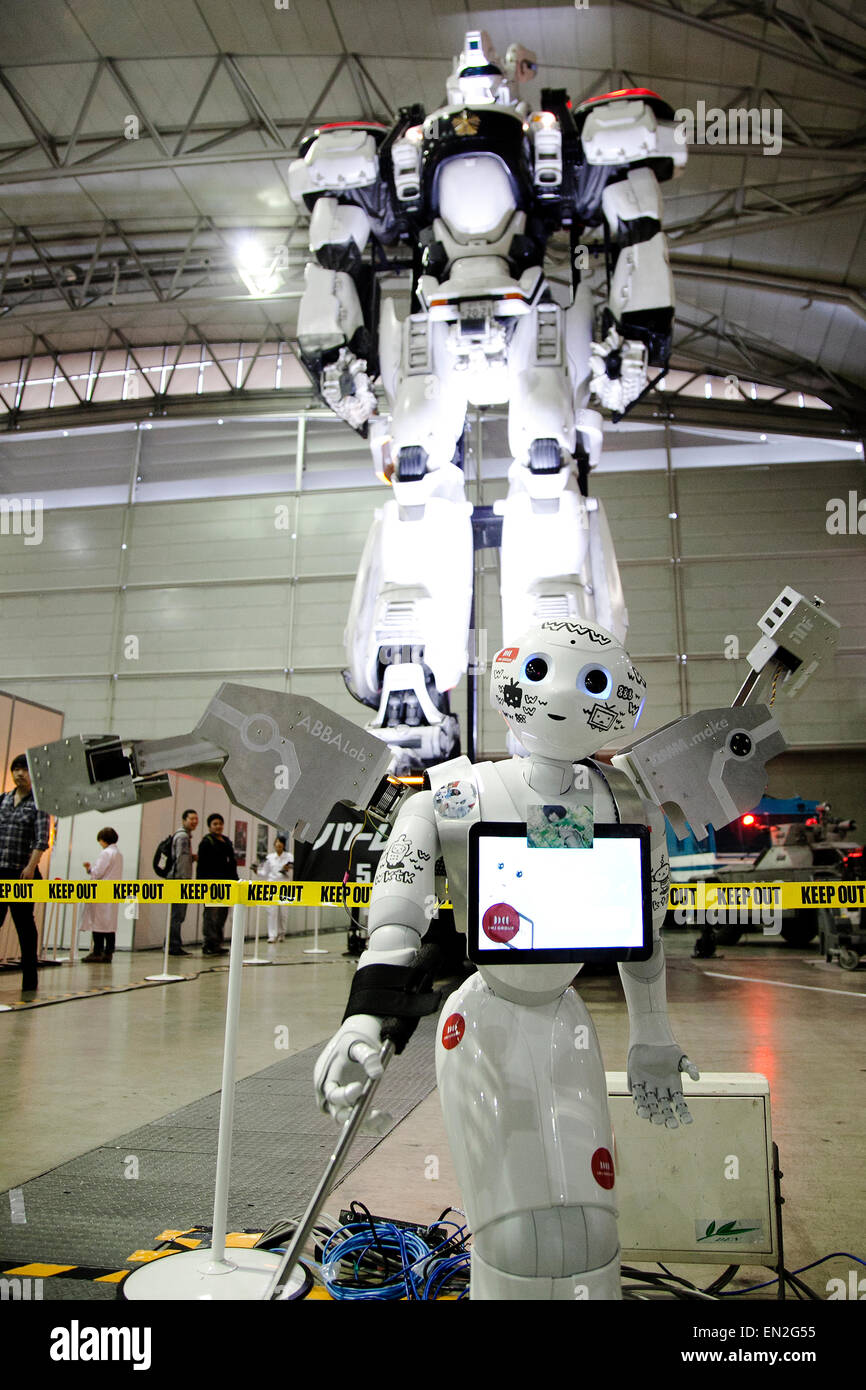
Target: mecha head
480,78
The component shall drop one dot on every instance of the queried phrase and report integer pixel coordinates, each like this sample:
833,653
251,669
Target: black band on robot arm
398,994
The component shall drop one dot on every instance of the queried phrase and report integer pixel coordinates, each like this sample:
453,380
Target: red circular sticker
602,1168
500,922
452,1032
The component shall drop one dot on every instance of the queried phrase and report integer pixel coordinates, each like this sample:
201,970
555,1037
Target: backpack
163,858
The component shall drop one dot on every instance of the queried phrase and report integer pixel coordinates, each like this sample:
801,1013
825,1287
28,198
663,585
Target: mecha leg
408,623
525,1104
558,560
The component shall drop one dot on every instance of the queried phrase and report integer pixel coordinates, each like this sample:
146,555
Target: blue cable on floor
415,1280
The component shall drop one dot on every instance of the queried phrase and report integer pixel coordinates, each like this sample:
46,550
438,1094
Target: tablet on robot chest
549,905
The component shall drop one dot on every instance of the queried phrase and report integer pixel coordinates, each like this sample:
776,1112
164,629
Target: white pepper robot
525,1106
482,189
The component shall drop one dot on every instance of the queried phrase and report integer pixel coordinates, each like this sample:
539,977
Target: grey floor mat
87,1213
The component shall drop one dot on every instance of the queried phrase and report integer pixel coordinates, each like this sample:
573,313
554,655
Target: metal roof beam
31,120
800,287
761,45
85,107
114,68
248,96
838,391
750,219
198,105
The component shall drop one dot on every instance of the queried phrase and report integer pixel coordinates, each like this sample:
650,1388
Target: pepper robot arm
655,1058
399,918
707,769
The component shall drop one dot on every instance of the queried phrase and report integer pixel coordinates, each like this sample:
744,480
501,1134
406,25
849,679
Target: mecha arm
709,767
639,314
336,327
282,757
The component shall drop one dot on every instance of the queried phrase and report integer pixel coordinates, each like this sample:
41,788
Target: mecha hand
346,387
619,370
654,1081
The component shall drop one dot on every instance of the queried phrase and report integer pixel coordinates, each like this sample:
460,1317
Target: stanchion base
316,951
257,960
244,1275
166,978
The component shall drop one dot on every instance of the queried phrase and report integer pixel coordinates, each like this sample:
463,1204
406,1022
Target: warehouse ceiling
139,142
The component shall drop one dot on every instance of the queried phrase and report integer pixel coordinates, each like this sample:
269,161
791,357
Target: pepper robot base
525,1104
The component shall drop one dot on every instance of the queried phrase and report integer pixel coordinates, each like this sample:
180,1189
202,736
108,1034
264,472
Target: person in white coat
101,918
277,866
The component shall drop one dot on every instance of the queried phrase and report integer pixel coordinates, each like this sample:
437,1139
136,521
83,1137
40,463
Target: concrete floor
81,1072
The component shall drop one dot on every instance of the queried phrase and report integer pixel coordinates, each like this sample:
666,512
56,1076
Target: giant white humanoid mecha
478,188
525,1106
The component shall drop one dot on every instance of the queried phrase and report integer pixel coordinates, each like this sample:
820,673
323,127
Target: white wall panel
332,529
41,634
188,542
80,547
320,618
214,628
212,584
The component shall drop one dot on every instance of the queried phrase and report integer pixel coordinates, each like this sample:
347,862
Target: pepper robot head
566,689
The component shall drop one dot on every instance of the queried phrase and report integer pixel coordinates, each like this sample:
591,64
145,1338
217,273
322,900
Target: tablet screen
560,904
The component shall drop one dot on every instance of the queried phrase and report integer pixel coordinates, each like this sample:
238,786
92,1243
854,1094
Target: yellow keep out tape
830,893
208,892
723,897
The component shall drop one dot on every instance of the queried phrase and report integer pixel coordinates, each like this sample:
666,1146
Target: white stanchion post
227,1095
209,1274
255,958
165,976
72,958
316,949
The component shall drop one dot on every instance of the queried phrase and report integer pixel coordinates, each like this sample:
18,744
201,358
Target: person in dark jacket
25,835
216,859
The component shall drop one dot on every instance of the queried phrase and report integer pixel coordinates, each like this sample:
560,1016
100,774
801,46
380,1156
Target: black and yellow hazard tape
168,1242
43,1270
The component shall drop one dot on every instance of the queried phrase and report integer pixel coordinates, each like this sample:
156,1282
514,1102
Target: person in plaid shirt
24,838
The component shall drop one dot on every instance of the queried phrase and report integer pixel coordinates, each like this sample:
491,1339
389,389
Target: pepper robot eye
536,668
595,680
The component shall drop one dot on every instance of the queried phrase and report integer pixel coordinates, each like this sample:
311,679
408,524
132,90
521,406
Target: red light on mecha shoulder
748,820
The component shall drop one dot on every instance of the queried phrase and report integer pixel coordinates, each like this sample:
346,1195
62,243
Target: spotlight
258,266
